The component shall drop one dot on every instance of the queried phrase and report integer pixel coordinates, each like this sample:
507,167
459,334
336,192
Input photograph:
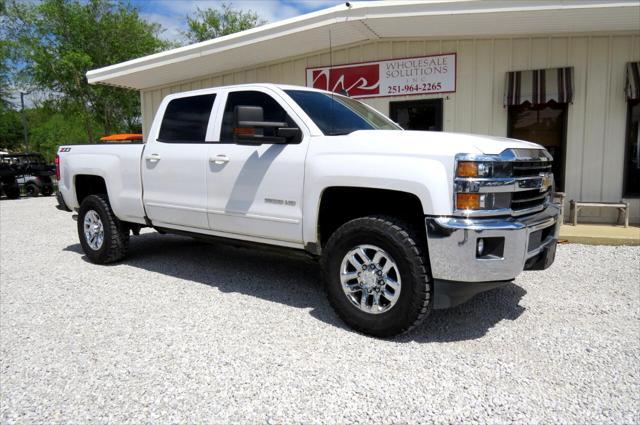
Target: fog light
480,247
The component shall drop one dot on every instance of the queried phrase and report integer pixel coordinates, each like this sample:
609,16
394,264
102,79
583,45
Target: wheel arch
340,204
89,184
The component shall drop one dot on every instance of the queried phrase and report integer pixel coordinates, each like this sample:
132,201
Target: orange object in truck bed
121,137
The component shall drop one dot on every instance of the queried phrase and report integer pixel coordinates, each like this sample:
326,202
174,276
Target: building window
185,120
632,162
418,114
545,124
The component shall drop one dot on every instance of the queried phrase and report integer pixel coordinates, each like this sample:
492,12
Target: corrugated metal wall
596,121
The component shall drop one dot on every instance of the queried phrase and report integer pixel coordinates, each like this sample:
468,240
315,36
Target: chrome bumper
453,243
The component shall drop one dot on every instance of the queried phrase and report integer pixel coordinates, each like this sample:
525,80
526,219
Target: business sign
396,77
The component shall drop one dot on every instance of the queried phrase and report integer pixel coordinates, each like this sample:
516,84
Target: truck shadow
296,282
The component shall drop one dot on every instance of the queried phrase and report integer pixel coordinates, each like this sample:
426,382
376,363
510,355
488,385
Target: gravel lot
184,331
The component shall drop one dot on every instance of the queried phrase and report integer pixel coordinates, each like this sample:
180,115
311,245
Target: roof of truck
244,86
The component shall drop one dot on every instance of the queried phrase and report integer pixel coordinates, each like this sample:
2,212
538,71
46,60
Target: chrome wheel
370,279
93,230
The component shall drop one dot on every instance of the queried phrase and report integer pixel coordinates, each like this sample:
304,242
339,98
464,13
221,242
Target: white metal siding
596,119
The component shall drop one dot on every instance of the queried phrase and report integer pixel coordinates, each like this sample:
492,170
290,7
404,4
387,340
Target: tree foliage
207,24
11,136
50,128
58,41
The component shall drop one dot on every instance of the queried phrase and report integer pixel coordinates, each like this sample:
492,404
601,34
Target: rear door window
185,119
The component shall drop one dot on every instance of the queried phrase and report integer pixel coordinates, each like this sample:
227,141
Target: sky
171,14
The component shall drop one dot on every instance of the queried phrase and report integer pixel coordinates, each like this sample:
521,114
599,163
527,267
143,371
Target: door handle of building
154,157
219,159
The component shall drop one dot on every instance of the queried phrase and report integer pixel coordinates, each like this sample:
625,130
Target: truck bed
118,164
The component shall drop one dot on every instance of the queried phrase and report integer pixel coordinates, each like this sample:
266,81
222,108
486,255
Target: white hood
437,143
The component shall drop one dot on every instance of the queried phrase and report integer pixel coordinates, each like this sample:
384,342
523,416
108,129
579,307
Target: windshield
336,115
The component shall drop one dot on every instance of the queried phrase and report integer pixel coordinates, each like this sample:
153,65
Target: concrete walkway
600,234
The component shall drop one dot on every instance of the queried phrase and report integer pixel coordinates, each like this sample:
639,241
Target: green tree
11,136
58,41
212,23
49,128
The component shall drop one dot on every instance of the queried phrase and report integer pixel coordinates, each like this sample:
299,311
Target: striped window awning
633,80
539,86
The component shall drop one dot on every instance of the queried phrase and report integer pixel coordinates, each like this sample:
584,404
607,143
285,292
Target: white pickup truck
403,222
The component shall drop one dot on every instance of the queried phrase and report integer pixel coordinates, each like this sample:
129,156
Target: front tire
376,276
103,237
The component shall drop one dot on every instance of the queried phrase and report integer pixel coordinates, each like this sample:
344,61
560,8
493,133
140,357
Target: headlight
483,169
473,169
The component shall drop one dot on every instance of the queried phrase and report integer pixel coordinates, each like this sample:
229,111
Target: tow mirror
249,128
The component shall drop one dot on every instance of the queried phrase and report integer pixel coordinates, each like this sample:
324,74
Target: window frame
221,104
627,151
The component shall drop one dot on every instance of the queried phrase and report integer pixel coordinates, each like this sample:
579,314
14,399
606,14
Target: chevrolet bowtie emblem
547,181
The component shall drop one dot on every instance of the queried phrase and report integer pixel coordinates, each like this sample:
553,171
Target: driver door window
271,109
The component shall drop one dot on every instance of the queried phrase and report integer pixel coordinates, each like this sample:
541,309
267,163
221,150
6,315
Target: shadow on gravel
296,281
470,320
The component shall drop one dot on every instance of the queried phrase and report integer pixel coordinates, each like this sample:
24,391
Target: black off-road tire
47,191
12,191
31,189
116,235
409,253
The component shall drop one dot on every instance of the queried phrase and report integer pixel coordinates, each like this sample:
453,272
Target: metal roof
364,21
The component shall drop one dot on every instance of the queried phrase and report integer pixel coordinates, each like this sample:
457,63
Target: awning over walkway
368,21
633,80
539,86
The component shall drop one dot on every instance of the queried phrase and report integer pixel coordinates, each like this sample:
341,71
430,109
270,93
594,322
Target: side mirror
249,128
291,135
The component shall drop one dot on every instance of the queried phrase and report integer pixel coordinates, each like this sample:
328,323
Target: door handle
154,157
219,159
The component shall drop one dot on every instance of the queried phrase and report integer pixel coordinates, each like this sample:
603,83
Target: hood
439,143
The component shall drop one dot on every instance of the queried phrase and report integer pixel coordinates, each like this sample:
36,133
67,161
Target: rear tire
31,189
12,191
103,237
47,191
389,245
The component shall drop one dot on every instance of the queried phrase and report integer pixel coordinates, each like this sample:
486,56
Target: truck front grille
530,169
528,199
516,182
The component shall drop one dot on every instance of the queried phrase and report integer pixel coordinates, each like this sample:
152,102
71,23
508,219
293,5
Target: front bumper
529,243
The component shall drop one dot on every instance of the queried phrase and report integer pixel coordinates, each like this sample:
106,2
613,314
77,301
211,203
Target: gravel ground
183,331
